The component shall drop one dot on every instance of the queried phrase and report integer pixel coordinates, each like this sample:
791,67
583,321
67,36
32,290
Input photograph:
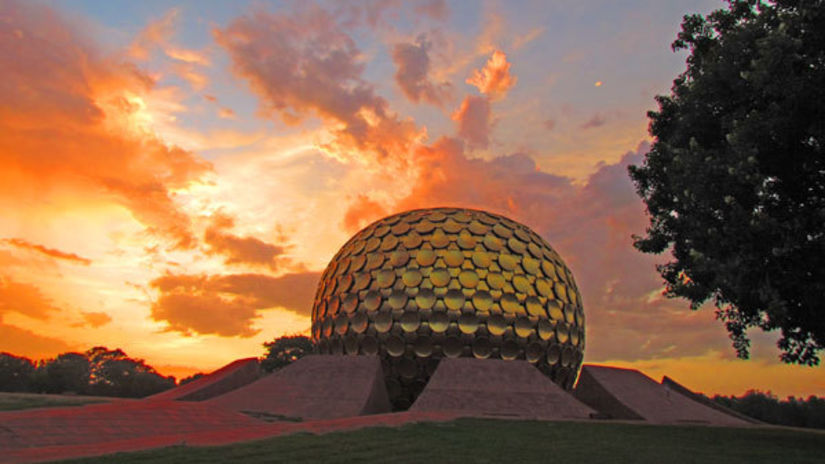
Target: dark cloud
412,73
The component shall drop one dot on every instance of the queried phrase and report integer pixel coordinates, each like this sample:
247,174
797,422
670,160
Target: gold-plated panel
509,303
523,327
492,243
369,346
521,284
357,263
372,244
496,324
507,262
424,227
549,270
534,307
425,257
395,346
545,288
516,245
453,258
423,346
389,242
468,279
546,329
425,298
410,321
502,231
468,323
482,259
411,277
398,299
561,291
530,265
482,348
439,322
439,239
554,310
400,229
359,322
372,300
496,280
382,322
381,231
533,352
509,350
385,278
482,301
374,261
466,241
478,228
452,347
454,299
440,277
412,240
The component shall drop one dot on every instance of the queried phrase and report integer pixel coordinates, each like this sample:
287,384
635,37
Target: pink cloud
494,79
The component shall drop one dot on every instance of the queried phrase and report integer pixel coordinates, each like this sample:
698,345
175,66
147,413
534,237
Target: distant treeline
794,412
98,371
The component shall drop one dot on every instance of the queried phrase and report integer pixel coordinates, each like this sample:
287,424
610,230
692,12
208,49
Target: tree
734,182
15,373
285,350
113,373
68,372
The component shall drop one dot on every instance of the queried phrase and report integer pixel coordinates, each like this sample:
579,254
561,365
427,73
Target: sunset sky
174,176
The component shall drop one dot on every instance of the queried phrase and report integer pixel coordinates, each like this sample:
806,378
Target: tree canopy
285,350
734,182
98,371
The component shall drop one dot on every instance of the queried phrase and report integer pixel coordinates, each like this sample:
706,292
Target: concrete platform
628,394
230,377
497,388
314,387
675,386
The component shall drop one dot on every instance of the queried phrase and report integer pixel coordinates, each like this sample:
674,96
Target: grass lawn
495,441
15,401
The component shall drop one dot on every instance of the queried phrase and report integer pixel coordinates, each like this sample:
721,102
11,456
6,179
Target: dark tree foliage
285,350
98,371
15,373
191,378
795,412
115,374
734,182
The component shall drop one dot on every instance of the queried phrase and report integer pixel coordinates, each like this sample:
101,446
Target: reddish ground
62,433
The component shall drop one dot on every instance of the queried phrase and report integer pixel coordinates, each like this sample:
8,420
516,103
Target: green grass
494,441
16,401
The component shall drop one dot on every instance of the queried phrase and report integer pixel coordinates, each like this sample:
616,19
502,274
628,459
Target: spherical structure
426,284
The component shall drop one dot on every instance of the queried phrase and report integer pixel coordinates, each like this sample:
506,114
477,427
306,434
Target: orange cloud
361,212
95,320
26,245
227,305
305,65
24,342
69,119
412,73
474,121
494,79
24,299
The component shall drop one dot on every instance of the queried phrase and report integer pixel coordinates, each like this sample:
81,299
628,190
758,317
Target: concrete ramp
673,385
230,377
497,388
628,394
314,387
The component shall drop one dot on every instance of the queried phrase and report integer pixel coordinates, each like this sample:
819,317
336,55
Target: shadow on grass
494,441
